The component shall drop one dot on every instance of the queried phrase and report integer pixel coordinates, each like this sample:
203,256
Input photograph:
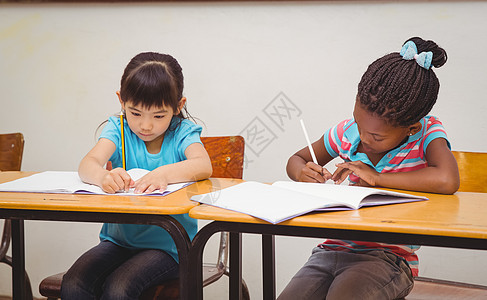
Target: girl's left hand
368,176
150,182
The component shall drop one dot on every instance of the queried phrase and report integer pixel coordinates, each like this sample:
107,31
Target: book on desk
284,200
68,182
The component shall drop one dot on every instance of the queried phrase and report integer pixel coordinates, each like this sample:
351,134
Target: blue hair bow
409,52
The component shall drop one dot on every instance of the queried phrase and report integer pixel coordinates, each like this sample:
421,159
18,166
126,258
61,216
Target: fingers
326,174
314,167
119,183
150,182
123,179
116,180
314,173
143,187
127,182
110,188
367,175
340,174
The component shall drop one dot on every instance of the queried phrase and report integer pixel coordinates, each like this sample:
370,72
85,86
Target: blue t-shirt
136,155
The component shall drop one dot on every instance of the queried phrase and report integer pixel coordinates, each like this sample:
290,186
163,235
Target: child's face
148,124
376,135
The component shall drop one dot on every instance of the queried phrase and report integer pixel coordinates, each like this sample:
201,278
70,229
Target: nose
364,139
361,135
146,125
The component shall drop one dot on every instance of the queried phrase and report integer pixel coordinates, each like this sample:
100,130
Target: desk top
459,215
175,203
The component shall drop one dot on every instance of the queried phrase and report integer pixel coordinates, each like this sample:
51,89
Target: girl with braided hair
391,142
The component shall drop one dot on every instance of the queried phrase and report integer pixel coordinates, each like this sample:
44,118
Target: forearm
294,166
429,179
188,170
92,167
91,171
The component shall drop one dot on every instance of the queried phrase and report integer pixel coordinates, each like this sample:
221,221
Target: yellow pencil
123,140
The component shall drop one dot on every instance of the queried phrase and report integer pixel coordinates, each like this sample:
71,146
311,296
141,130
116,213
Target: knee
120,289
72,286
115,294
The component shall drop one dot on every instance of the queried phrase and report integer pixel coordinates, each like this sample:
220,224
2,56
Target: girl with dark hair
157,137
391,142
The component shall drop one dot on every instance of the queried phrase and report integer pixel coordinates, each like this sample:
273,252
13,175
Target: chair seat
433,289
50,287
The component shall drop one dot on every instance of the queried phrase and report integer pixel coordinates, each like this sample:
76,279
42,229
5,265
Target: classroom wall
251,68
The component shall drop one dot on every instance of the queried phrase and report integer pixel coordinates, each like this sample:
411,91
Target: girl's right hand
312,172
116,180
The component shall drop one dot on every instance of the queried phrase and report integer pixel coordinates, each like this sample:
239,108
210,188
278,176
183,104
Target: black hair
153,80
401,91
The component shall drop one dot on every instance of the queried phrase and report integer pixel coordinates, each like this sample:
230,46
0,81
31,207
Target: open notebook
284,200
69,183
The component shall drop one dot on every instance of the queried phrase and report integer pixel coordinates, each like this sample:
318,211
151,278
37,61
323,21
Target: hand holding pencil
313,172
117,180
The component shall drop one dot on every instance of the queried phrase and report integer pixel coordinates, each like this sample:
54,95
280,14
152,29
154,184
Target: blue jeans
108,271
333,275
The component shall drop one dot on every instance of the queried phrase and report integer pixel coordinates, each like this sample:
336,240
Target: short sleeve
186,134
333,138
434,130
112,132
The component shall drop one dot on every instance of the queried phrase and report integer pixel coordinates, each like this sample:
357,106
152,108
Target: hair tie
409,52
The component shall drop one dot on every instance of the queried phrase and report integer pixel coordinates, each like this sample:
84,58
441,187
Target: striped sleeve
334,137
434,130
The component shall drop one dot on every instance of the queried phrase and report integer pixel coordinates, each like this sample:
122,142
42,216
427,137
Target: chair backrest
227,159
11,150
226,154
473,171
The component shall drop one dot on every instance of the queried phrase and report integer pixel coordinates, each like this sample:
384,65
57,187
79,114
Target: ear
415,128
181,104
120,99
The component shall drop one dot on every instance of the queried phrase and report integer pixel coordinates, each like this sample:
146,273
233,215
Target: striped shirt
343,140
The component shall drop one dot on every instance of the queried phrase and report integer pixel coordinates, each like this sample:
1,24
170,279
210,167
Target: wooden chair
473,171
11,152
473,178
227,157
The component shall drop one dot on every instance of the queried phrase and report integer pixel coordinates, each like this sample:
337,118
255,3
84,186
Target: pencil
309,142
123,141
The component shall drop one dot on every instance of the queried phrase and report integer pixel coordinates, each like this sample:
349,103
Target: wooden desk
445,220
151,210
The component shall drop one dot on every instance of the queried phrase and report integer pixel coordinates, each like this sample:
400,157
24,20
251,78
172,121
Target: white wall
60,65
